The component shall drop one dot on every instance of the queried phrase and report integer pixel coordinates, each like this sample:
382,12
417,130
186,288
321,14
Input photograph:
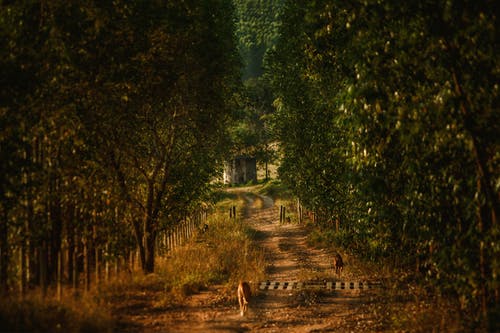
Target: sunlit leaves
113,107
400,92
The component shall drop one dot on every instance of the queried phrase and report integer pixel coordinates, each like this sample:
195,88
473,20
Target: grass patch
276,190
226,200
35,313
220,196
223,255
411,306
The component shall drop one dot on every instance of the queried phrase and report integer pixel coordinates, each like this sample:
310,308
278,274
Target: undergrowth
276,190
407,301
223,255
35,313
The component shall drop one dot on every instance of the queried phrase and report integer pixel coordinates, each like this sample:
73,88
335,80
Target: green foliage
251,133
276,190
114,118
257,29
387,114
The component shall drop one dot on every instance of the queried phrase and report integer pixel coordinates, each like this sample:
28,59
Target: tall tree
406,95
110,111
256,30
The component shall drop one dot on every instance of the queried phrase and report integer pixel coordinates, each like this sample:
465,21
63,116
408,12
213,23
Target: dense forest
387,113
256,29
116,117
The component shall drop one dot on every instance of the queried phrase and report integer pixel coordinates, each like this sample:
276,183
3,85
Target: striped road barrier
328,285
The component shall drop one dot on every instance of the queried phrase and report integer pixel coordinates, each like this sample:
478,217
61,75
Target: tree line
113,122
387,114
256,31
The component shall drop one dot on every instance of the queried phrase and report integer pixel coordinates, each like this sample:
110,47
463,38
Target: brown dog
244,294
338,264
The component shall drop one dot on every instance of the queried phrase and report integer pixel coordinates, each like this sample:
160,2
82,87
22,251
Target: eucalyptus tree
257,25
115,111
162,106
311,142
408,94
256,31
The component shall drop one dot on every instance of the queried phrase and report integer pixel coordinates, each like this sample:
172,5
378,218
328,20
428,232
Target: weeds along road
289,259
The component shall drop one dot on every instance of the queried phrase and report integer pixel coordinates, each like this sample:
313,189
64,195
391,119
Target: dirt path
290,259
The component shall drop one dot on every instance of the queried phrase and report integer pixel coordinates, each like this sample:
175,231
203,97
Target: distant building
240,170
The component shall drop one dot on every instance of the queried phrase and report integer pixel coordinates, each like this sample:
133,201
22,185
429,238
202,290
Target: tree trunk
139,237
70,236
59,275
43,252
149,246
106,265
4,253
56,240
489,212
74,261
86,264
23,266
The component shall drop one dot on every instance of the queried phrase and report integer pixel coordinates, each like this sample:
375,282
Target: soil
290,260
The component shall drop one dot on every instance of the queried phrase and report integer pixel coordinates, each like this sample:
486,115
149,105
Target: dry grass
223,255
412,308
35,313
403,305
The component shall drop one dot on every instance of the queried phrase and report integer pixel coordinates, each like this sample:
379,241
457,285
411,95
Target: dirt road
290,260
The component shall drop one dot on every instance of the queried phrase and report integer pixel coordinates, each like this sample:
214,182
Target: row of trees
387,113
113,121
256,31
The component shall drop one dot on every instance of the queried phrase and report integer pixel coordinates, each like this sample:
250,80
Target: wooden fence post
232,212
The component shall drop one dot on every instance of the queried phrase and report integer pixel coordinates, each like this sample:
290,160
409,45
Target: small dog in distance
338,264
244,294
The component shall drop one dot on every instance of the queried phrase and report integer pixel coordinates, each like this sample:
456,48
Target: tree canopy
387,114
257,25
114,118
